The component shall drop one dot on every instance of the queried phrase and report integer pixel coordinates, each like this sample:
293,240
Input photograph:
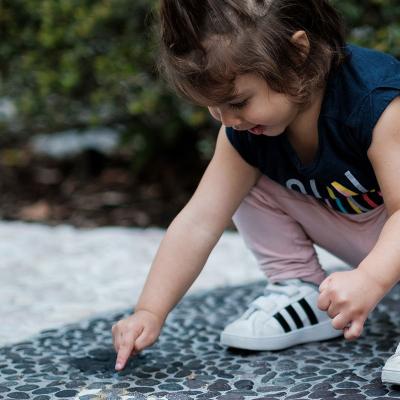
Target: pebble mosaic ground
187,362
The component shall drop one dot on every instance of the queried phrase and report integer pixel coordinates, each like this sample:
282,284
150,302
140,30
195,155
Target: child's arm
350,296
186,247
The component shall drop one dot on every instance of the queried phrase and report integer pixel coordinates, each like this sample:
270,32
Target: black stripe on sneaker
308,310
281,320
294,316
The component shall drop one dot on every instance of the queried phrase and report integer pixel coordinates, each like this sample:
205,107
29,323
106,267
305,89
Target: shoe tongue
288,288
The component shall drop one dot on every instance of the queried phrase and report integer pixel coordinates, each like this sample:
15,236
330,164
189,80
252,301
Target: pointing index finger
123,355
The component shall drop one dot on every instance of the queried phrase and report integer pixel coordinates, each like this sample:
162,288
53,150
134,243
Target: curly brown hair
206,44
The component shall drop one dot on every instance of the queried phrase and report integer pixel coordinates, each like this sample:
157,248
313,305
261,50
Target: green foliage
372,23
70,63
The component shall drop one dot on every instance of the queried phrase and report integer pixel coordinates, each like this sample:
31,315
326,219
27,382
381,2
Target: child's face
257,108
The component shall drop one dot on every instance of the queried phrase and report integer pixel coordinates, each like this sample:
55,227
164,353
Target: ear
300,38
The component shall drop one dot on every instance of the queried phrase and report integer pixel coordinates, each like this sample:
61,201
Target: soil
92,190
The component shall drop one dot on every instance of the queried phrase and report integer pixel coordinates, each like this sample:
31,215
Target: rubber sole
390,376
314,333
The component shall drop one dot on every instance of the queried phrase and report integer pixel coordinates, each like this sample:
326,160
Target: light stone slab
51,276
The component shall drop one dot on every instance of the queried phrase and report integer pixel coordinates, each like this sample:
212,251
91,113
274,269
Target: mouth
258,129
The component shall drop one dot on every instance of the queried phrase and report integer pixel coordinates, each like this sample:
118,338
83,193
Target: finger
333,311
124,352
323,301
340,321
324,284
354,330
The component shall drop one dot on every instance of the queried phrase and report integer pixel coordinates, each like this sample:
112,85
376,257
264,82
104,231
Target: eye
238,106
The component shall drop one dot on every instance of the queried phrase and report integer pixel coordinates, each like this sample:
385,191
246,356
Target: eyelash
238,106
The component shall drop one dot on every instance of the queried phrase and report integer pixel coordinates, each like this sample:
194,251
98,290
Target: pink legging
280,226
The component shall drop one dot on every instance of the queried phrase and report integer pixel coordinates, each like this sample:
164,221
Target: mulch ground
92,190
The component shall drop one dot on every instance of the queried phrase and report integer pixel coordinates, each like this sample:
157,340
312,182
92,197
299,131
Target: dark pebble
46,390
147,382
26,388
208,395
260,371
8,371
96,385
286,365
230,396
244,384
300,387
170,386
144,389
183,374
376,392
347,384
347,391
298,395
322,386
322,394
270,389
310,368
75,385
121,385
194,383
62,394
327,371
18,395
268,377
219,385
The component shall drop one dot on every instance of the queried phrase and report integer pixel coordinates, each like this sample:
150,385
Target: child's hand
348,298
134,333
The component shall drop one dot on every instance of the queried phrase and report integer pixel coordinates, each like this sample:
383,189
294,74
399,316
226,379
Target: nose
227,117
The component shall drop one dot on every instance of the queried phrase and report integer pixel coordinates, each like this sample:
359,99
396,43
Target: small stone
300,387
147,382
66,393
270,389
322,394
347,384
230,396
244,384
26,388
219,385
170,386
298,395
286,365
9,371
144,389
46,390
377,392
18,395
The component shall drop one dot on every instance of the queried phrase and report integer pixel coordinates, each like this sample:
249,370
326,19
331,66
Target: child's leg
280,226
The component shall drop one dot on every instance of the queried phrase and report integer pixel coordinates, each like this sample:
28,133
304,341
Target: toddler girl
308,153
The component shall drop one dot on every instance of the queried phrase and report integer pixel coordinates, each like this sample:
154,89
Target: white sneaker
391,369
286,315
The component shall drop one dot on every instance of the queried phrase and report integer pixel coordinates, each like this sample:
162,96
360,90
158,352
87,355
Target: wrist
160,320
382,283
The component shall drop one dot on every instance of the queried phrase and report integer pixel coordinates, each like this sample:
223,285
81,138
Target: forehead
249,83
